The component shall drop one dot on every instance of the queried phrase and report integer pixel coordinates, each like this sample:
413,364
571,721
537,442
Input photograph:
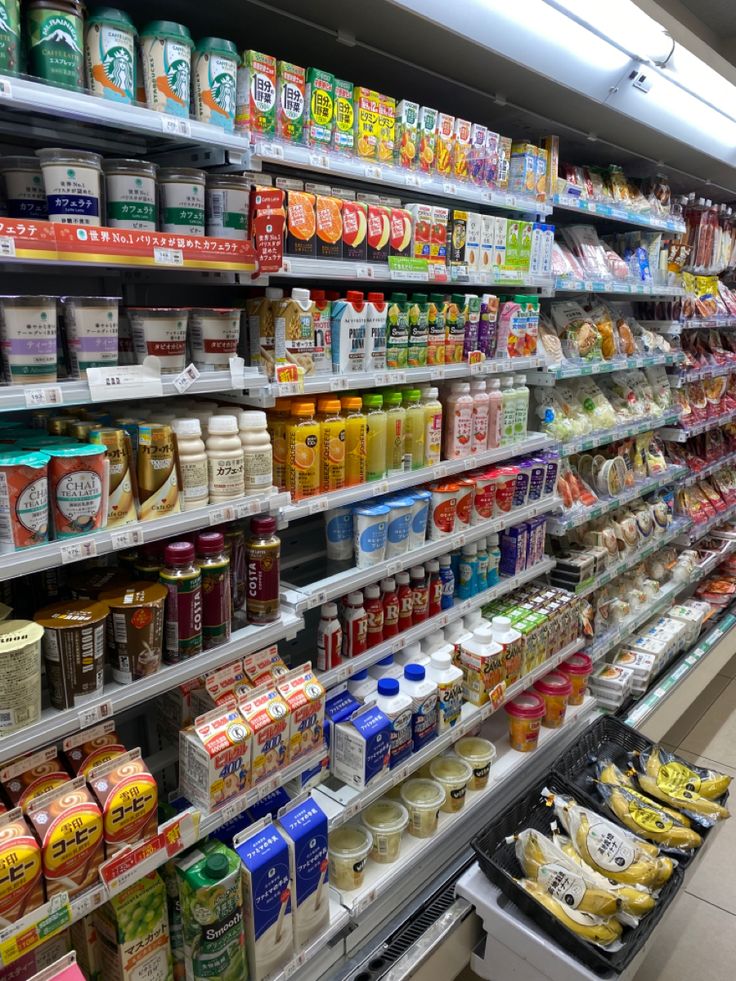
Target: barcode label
186,379
7,247
217,204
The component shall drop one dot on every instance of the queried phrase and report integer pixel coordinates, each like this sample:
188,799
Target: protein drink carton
263,666
215,758
268,718
343,134
133,932
255,100
367,109
461,150
291,86
92,747
267,909
427,139
21,885
321,107
128,798
361,748
445,141
33,775
305,696
304,826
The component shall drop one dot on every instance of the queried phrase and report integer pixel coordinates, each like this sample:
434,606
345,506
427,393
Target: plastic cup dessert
91,331
160,332
525,714
386,820
555,689
423,799
228,199
166,54
479,754
349,847
454,774
73,183
28,336
213,336
577,669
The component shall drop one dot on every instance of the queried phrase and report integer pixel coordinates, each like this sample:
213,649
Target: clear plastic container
423,800
348,851
386,820
454,774
555,689
479,754
525,715
577,669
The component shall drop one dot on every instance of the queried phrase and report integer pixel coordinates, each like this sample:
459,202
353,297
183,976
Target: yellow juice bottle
376,438
278,417
332,445
356,431
432,425
303,453
395,432
415,429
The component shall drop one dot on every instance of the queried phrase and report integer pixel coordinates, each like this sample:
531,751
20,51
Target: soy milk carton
305,697
215,758
268,718
304,826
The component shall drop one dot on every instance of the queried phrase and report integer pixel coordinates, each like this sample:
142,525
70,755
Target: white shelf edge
611,213
605,436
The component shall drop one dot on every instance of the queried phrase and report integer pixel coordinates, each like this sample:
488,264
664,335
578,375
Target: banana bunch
594,929
674,782
709,783
636,901
644,817
612,775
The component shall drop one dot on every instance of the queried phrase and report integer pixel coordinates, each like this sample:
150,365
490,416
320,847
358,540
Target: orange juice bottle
332,445
302,453
278,417
356,437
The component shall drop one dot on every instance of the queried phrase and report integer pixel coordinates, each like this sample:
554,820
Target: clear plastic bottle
278,419
302,451
420,594
415,430
356,432
432,425
448,582
192,459
459,422
406,601
214,566
495,414
257,452
395,432
521,407
376,436
482,565
183,579
224,459
509,410
466,586
481,408
332,444
423,694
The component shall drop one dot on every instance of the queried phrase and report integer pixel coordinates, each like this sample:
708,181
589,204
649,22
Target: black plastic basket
498,860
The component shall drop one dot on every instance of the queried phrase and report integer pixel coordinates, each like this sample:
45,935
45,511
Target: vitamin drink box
128,798
320,98
268,718
361,747
268,921
21,885
366,108
427,139
33,775
92,747
133,932
215,758
304,826
407,134
305,697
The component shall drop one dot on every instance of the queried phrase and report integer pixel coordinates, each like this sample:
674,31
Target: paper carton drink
525,246
361,747
33,775
421,218
493,142
499,243
445,142
128,798
86,946
215,758
427,139
401,231
320,107
504,160
304,827
379,232
367,109
343,134
461,150
355,230
386,128
133,932
328,215
407,134
523,168
291,85
477,156
21,885
268,718
348,327
255,107
92,747
438,235
263,666
301,221
305,698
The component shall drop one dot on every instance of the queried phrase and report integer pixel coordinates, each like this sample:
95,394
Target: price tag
233,809
168,257
174,126
449,188
396,378
237,372
273,150
392,568
291,388
364,272
319,161
366,901
186,378
411,180
317,505
220,515
76,551
248,508
127,538
438,371
94,714
469,463
36,397
286,266
440,472
7,247
293,966
381,487
6,89
126,381
343,673
373,173
397,644
89,901
339,384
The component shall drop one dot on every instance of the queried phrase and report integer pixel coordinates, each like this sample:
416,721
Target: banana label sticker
561,884
650,819
679,781
609,850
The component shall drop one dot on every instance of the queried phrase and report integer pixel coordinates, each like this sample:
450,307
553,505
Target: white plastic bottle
432,425
473,620
329,638
361,685
423,694
257,452
481,410
495,414
458,422
456,633
192,458
494,558
385,668
483,661
521,407
398,707
449,681
224,459
433,642
411,654
355,632
513,645
509,410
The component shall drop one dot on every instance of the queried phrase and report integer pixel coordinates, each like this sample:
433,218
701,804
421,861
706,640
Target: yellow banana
642,869
698,806
596,901
665,867
611,775
592,928
645,817
714,785
635,902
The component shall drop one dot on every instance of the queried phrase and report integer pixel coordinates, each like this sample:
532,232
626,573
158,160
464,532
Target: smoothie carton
445,142
21,885
367,110
328,221
92,747
513,238
268,718
305,697
215,758
343,134
133,932
320,107
525,246
255,101
361,747
477,156
128,798
291,85
461,150
401,231
355,230
427,139
301,220
33,775
304,826
267,909
407,134
386,128
211,898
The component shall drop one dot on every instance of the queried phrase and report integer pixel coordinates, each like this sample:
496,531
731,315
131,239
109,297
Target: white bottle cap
445,561
430,393
355,599
460,388
402,578
412,650
417,572
388,585
432,566
507,382
492,539
187,427
222,425
483,634
478,385
372,592
300,295
495,383
252,420
274,293
473,619
433,641
520,379
441,660
329,611
471,549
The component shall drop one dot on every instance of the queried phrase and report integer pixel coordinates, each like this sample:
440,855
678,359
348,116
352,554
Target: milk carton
362,747
268,718
305,697
304,826
215,758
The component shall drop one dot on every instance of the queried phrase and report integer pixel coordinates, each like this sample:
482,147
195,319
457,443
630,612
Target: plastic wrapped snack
557,416
592,399
659,383
550,345
579,336
682,785
588,249
604,322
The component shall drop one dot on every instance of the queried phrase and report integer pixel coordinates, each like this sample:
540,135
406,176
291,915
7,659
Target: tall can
214,567
158,487
121,503
183,580
262,553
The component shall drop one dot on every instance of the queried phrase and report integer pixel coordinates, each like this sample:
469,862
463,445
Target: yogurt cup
443,510
454,775
25,193
423,800
505,478
130,194
214,335
386,820
523,478
73,183
181,200
525,714
91,324
399,524
339,533
479,754
348,850
419,518
109,54
537,474
555,689
166,55
370,525
484,499
160,332
20,669
227,204
28,339
464,508
577,669
214,78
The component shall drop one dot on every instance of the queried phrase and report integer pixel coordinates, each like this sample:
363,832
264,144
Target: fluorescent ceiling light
622,23
693,74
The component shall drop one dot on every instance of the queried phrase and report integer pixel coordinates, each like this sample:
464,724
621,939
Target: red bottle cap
210,543
263,525
179,553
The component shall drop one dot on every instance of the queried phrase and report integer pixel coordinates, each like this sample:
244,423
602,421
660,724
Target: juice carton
255,100
378,228
21,885
33,775
133,932
438,235
328,215
211,897
361,747
458,235
513,238
472,242
267,903
541,174
321,323
461,150
367,109
386,128
421,219
499,243
128,798
215,758
68,824
354,230
551,145
348,328
173,908
477,155
91,747
291,86
269,719
407,134
304,826
487,233
263,666
305,697
401,231
219,687
504,161
427,139
86,945
321,102
445,142
490,172
293,334
523,168
525,246
343,136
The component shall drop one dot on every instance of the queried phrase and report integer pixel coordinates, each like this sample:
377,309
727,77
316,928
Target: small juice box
268,717
499,243
343,136
291,88
128,798
21,885
445,141
525,246
367,109
215,758
92,747
523,169
407,134
386,128
427,139
477,155
401,231
461,150
421,217
487,232
438,235
328,215
321,100
458,237
354,230
305,696
133,932
379,228
301,220
256,95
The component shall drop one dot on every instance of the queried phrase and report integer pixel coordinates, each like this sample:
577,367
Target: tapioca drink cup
454,774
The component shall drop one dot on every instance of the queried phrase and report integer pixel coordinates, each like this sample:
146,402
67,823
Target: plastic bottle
356,433
376,436
459,422
398,708
433,642
495,414
466,586
374,608
481,409
375,332
420,594
449,681
224,459
390,600
348,325
424,710
456,634
395,430
257,452
455,329
494,559
474,619
397,331
436,329
448,582
418,330
355,634
262,571
415,430
329,638
332,445
483,660
509,410
278,419
302,451
385,668
406,601
482,568
435,588
182,578
192,459
521,407
432,425
214,566
361,685
411,654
